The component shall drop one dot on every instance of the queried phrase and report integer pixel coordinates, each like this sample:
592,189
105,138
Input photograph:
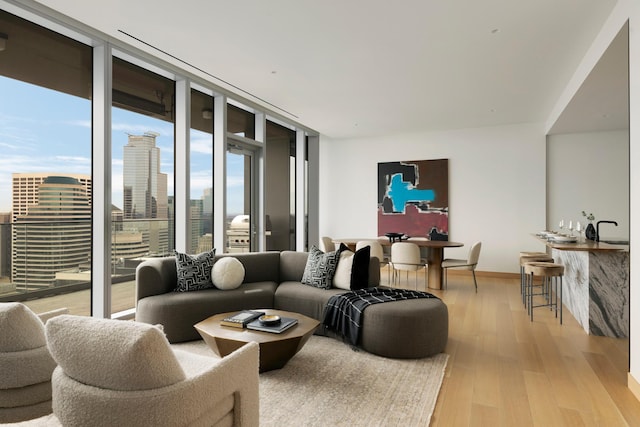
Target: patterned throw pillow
320,268
194,271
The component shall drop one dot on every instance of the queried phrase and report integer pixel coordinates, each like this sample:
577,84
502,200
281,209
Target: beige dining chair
405,256
468,264
423,251
327,245
376,252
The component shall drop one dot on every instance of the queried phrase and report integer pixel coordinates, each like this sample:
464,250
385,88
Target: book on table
240,319
284,324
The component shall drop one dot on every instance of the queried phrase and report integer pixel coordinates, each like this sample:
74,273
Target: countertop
587,245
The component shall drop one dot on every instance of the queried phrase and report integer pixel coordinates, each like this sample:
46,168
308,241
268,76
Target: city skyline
37,139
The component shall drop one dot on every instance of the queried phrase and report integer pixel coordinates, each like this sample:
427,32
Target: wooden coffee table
275,349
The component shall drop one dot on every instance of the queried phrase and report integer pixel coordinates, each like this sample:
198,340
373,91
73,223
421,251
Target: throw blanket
343,313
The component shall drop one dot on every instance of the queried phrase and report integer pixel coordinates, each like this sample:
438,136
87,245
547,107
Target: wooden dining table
432,249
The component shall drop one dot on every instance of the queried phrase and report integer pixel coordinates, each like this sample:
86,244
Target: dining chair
376,252
405,256
423,251
469,264
327,245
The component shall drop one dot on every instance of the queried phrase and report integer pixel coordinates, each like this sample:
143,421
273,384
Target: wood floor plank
514,400
544,409
484,416
614,383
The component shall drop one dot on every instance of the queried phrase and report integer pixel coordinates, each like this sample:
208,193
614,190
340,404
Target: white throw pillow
342,278
227,273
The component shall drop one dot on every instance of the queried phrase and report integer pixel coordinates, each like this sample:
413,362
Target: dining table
432,250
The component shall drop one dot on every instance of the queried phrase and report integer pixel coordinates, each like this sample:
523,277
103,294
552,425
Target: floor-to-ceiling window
201,174
280,196
142,173
48,183
240,175
45,167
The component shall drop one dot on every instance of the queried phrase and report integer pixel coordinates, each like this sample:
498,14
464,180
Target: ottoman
408,329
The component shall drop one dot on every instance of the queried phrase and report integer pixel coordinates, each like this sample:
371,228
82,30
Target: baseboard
633,385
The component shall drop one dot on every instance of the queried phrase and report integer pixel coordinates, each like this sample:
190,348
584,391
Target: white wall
634,182
589,171
496,187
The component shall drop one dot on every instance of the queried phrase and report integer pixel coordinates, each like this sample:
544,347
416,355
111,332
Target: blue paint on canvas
402,192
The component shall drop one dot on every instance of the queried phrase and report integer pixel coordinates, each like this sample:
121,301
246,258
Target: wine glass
561,225
571,227
579,229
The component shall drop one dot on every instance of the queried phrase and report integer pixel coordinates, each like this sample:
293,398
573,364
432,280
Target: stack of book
241,319
276,328
251,319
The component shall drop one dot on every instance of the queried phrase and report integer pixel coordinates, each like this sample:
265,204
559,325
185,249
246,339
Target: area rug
329,384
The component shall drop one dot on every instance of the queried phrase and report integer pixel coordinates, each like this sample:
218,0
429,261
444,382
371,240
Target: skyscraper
51,228
146,204
145,187
25,190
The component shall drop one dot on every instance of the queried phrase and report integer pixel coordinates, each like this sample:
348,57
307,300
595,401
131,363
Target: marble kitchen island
595,285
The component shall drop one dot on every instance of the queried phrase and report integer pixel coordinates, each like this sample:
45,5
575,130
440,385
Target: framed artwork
413,198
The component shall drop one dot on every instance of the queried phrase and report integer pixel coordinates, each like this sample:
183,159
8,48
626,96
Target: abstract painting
413,198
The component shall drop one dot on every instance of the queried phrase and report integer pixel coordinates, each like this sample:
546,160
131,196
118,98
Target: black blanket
343,313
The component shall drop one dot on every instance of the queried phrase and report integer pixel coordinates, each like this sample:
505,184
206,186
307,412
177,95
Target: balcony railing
47,264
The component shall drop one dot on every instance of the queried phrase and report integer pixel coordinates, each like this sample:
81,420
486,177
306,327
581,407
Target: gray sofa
402,329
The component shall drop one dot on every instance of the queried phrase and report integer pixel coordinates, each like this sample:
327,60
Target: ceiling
351,69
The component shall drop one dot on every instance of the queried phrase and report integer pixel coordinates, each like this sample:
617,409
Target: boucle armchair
25,365
124,373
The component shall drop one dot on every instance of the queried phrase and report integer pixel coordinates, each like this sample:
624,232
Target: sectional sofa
401,329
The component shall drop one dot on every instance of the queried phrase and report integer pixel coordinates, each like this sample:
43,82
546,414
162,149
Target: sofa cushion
320,268
307,300
227,273
132,355
292,265
258,266
194,271
179,311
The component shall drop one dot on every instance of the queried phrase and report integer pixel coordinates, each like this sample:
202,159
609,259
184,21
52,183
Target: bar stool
526,257
551,273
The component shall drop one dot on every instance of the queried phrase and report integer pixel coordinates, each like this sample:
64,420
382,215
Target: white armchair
25,365
124,373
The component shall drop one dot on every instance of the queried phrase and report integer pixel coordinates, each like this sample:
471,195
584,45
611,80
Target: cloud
79,123
202,145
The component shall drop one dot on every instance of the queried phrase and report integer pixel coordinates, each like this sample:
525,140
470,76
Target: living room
501,191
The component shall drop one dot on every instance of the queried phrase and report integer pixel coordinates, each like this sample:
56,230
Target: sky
42,130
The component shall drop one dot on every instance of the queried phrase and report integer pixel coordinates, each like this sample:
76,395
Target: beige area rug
329,384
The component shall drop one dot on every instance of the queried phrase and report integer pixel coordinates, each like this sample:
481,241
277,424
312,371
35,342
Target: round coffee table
275,349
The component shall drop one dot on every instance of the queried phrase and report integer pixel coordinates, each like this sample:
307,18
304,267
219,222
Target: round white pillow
227,273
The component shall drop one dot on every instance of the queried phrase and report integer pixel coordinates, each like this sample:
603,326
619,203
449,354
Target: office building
145,187
52,233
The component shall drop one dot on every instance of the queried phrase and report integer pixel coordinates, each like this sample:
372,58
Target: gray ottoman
407,329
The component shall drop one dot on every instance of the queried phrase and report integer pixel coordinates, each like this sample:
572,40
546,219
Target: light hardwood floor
503,369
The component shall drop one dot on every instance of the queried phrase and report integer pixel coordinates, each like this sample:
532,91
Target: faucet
598,228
